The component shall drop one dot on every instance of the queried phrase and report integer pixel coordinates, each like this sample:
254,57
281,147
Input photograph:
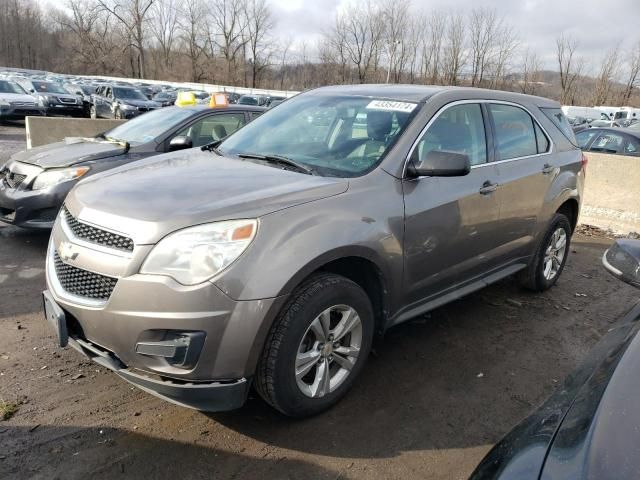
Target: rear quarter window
559,120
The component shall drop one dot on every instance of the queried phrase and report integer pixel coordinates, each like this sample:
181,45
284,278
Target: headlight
4,103
127,107
196,254
53,177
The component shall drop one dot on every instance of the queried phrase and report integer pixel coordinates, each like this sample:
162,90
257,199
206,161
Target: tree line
239,42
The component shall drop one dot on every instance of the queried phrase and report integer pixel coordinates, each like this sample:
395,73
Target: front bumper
148,308
32,208
211,396
19,113
66,110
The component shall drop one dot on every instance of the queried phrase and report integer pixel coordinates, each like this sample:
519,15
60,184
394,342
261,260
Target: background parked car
83,90
114,101
165,98
53,97
619,141
35,182
15,103
604,123
260,100
588,429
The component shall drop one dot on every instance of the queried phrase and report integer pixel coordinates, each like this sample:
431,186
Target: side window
608,143
213,128
632,147
255,115
585,136
541,139
458,129
515,135
108,93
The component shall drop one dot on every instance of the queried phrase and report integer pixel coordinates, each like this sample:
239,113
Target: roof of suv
421,93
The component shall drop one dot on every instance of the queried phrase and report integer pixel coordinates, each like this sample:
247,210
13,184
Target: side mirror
622,260
440,164
31,90
180,142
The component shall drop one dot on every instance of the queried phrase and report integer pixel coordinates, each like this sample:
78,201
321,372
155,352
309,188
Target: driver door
451,234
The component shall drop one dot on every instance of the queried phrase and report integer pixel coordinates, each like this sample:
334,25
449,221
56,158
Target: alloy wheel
554,254
328,351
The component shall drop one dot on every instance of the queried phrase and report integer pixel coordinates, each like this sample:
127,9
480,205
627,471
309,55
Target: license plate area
56,317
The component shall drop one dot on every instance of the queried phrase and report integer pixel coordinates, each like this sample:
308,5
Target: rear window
560,121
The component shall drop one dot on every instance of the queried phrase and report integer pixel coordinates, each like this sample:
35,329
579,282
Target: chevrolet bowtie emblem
67,252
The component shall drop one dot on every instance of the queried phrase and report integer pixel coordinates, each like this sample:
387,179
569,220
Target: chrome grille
83,283
23,104
67,100
96,235
14,179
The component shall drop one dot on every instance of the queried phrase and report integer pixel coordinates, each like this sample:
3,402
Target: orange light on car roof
218,100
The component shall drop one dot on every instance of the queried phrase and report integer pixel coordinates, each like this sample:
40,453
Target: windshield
149,126
343,136
10,87
48,87
128,93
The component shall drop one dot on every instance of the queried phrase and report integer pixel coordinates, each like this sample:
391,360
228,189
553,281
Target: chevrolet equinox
272,258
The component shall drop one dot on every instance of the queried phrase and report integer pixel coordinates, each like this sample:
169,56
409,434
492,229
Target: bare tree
531,67
260,24
633,75
483,33
164,26
436,22
226,26
454,58
570,67
193,34
604,83
396,24
506,44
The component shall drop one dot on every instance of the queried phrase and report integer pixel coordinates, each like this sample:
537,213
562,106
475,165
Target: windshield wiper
279,159
212,147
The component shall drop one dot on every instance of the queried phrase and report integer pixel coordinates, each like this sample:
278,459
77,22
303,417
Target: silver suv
273,258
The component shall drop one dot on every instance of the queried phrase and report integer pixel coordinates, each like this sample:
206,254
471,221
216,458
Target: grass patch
7,409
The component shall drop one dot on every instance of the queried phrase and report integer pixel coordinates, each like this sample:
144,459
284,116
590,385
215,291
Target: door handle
488,188
547,169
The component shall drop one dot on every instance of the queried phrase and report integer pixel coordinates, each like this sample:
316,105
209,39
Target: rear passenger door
525,171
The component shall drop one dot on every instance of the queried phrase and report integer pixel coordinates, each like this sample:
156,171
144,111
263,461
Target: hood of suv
60,154
154,197
18,97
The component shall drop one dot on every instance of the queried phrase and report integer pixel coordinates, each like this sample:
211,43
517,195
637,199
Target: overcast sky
597,24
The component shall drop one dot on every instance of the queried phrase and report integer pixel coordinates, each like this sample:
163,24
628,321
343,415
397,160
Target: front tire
550,257
316,347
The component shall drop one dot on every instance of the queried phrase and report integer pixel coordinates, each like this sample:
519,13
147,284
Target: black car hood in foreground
156,196
61,154
589,429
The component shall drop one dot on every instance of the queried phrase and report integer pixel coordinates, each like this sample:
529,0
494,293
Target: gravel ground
434,397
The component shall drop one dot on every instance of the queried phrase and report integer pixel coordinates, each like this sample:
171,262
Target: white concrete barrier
612,193
45,130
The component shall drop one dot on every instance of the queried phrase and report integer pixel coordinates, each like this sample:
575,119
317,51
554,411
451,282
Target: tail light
584,162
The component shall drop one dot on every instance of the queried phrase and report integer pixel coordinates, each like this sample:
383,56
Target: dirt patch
435,395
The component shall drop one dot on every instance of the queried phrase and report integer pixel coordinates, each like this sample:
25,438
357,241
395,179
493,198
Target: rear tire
550,257
316,347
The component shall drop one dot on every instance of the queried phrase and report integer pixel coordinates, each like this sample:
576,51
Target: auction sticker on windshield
391,106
